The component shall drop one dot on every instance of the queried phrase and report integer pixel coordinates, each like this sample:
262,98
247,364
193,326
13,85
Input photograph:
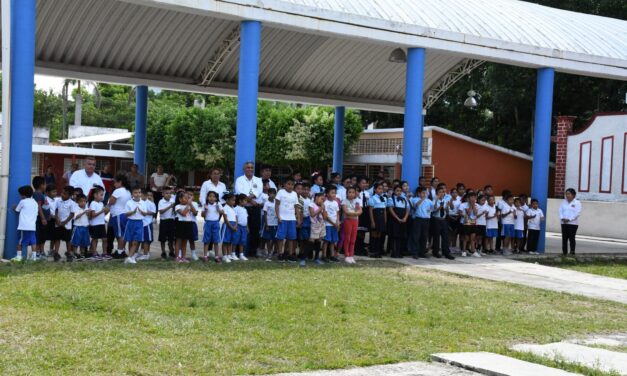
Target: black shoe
450,257
164,255
437,255
291,258
423,256
334,259
123,255
69,257
56,257
572,253
171,255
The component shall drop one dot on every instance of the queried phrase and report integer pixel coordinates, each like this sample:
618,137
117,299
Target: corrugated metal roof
320,51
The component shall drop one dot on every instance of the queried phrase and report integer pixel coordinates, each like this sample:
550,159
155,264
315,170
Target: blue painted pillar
338,140
141,116
542,144
247,91
22,108
413,125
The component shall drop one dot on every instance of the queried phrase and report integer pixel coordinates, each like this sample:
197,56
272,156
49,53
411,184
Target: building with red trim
593,160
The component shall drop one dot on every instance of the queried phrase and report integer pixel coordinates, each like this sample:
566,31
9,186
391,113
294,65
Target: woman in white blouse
570,209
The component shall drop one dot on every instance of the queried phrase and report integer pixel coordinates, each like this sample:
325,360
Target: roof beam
226,48
449,79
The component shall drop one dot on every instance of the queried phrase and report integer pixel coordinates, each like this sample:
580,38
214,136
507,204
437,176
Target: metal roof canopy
316,51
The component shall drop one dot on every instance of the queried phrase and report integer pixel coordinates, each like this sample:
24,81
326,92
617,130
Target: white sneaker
233,257
353,260
242,257
476,254
194,256
347,260
211,254
17,258
130,260
464,254
142,258
226,259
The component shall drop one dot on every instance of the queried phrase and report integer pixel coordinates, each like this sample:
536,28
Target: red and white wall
596,157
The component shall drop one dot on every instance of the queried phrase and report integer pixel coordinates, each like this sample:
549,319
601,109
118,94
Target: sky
49,82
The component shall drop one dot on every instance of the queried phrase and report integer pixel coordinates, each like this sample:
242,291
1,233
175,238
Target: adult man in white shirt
252,186
212,185
87,177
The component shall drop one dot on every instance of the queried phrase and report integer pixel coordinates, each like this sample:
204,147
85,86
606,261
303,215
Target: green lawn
616,268
256,317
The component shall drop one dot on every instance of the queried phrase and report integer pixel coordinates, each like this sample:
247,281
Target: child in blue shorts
212,211
135,210
285,205
519,225
242,226
28,210
332,221
270,224
229,228
508,220
80,233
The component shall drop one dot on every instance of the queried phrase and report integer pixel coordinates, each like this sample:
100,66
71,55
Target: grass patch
254,318
609,267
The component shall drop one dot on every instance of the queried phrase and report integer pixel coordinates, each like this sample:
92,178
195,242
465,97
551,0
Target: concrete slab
592,357
612,340
497,365
399,369
504,269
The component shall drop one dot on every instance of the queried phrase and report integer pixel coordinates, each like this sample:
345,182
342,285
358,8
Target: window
607,156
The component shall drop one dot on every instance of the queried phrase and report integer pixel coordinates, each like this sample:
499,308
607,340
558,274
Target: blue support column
413,125
22,108
338,140
542,144
141,116
247,91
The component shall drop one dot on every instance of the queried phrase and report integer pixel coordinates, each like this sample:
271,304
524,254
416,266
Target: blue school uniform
134,231
305,229
26,238
211,232
422,211
80,236
241,236
228,236
148,234
286,230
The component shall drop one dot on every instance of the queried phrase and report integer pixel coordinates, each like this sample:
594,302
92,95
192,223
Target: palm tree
78,101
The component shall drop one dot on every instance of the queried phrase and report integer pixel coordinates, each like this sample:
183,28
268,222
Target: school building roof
316,51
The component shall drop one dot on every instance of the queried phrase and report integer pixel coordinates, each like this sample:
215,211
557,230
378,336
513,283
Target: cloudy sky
49,82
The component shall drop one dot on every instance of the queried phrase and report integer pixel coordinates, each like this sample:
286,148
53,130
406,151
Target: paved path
497,365
591,357
498,268
587,245
398,369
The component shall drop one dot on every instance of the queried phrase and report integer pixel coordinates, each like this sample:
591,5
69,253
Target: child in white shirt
535,217
212,211
492,225
270,223
63,229
28,210
242,226
519,225
229,228
80,233
135,210
97,227
508,220
195,208
151,211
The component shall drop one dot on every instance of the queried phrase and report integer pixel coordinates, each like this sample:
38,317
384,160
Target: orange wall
457,161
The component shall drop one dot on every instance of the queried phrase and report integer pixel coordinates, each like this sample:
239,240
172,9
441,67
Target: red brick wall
456,160
564,128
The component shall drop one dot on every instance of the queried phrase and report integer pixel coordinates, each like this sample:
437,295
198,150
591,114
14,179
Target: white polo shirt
249,186
207,187
29,210
80,179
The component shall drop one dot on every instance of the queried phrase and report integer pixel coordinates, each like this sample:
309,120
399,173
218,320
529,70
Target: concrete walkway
398,369
587,245
497,365
591,357
503,269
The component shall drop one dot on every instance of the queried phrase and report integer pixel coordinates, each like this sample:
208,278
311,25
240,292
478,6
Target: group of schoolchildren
300,221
